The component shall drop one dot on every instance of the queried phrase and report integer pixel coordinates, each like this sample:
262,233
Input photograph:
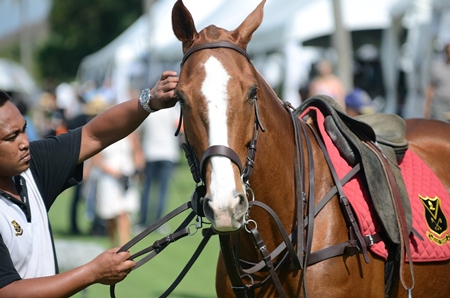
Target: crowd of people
359,101
324,81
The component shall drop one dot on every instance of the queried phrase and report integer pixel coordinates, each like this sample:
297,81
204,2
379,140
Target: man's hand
163,93
111,267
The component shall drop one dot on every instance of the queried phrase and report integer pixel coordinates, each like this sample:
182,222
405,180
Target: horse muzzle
226,214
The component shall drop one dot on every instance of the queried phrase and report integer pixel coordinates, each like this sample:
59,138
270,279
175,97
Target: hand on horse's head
163,93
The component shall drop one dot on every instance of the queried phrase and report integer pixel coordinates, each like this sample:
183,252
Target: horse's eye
253,93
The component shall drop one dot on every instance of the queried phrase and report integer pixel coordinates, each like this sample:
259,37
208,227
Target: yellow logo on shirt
17,227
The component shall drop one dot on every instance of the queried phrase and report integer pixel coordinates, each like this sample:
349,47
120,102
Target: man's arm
122,119
107,268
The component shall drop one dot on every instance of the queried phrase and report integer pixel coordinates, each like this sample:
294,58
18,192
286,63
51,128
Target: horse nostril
207,210
242,207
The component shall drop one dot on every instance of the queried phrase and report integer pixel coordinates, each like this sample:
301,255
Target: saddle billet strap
213,45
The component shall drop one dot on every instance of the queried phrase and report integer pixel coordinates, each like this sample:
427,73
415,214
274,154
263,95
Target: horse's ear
243,33
182,23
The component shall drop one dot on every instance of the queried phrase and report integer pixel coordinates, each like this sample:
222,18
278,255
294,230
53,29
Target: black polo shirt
26,242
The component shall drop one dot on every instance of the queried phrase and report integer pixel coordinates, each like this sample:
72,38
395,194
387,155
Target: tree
79,28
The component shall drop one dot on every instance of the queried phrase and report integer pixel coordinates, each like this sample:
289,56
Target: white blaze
214,88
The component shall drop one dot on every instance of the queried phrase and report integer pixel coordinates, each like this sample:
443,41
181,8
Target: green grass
154,277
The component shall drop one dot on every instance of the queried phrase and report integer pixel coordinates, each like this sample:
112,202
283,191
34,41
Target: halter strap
214,45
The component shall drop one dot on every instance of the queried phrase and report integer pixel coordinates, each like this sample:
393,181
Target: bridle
221,150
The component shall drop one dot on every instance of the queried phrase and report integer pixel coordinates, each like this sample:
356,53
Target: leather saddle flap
355,132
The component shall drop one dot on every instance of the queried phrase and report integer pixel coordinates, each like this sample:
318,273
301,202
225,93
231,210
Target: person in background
32,175
47,117
23,107
67,100
437,97
326,83
117,189
358,102
88,111
162,153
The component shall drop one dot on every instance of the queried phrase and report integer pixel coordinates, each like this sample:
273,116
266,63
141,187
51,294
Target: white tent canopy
286,24
14,78
284,20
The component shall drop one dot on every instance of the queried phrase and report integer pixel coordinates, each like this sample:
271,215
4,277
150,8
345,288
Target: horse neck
273,171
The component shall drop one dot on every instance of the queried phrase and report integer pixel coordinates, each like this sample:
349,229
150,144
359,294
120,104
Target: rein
153,250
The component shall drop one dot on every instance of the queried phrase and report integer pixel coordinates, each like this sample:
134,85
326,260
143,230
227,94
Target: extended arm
122,119
107,268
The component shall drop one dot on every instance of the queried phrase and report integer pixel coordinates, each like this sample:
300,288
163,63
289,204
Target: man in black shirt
32,175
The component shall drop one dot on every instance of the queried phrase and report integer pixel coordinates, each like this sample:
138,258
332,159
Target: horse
263,173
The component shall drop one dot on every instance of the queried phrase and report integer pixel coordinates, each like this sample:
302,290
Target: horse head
218,91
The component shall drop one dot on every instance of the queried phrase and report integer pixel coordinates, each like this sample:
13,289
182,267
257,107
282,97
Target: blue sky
35,10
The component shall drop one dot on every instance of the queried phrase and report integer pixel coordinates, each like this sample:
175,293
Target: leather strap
230,260
213,45
350,218
262,248
219,150
206,236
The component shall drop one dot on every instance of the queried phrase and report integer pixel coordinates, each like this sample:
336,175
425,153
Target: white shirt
30,241
158,139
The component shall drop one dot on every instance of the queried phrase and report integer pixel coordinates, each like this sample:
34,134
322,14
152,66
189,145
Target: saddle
378,143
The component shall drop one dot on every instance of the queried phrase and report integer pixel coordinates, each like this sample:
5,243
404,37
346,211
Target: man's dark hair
4,97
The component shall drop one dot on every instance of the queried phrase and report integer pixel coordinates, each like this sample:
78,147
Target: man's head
324,67
4,97
14,145
358,102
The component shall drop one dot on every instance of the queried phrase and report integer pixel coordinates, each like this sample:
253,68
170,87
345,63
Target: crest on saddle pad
436,220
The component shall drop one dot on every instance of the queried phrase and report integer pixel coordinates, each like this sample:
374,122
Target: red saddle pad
430,203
